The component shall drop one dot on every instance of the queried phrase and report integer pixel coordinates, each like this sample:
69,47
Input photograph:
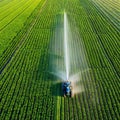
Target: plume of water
66,47
67,53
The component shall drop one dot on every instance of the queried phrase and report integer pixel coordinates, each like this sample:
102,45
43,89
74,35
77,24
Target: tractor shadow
56,87
48,63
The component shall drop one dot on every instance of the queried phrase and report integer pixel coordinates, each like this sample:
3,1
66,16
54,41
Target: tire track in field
24,37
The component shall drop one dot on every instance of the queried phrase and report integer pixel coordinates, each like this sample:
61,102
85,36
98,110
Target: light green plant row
3,3
5,21
12,8
8,5
11,30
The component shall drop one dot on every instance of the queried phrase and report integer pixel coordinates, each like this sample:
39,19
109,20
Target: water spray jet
67,56
66,48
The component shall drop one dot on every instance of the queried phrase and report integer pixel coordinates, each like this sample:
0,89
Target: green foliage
28,91
12,20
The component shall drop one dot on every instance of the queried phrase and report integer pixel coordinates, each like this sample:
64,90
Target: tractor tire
71,94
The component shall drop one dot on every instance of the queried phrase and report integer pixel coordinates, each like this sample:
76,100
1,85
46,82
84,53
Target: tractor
67,89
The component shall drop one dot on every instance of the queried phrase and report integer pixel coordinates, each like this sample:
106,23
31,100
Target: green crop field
27,89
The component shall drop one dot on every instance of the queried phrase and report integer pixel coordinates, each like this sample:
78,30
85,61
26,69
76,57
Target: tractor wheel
71,94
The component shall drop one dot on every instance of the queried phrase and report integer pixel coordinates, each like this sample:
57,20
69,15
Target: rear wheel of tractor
71,94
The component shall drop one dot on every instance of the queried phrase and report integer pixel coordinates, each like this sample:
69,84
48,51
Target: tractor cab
67,89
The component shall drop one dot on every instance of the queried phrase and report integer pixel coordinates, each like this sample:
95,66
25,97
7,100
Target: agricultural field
27,32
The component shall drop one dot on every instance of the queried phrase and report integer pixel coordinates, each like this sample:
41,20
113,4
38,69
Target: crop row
14,23
111,13
29,92
106,39
5,13
17,41
26,91
5,5
96,102
111,7
8,19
